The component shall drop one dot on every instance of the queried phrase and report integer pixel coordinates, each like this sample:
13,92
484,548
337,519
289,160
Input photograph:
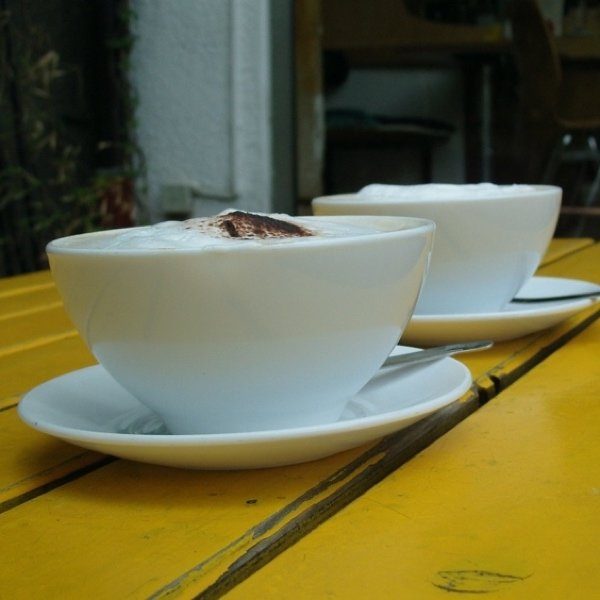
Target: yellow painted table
498,493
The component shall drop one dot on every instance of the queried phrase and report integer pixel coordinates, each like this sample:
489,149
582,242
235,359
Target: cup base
225,423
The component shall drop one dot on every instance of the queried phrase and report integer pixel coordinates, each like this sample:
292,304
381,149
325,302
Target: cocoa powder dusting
243,225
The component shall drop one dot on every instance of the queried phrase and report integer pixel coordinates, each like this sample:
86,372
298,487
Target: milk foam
199,233
443,191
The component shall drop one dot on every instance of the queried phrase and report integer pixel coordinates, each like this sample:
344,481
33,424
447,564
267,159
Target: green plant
49,184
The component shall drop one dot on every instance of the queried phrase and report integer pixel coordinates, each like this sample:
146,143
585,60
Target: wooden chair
371,148
550,135
358,27
373,33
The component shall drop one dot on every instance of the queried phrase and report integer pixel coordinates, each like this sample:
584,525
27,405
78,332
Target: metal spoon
593,294
421,356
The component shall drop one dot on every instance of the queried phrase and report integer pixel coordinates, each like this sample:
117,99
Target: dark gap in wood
270,522
396,450
545,352
52,485
497,386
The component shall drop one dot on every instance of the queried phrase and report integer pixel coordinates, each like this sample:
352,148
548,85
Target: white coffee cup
489,239
248,336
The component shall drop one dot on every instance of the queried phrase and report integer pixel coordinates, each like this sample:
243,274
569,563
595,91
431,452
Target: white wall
214,96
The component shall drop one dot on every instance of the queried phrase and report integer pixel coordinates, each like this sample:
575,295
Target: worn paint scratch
474,581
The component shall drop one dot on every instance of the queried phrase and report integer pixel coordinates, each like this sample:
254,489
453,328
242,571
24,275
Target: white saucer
88,408
515,320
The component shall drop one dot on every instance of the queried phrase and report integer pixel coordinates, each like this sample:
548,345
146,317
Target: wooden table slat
23,283
42,360
562,247
27,300
34,327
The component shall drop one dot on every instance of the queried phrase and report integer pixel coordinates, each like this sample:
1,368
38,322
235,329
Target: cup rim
411,226
355,199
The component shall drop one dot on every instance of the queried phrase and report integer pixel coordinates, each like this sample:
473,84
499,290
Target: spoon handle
421,356
593,294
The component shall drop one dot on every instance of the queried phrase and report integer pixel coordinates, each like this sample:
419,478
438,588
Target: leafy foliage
49,185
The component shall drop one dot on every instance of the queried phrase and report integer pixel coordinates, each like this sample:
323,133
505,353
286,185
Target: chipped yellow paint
506,504
130,529
205,573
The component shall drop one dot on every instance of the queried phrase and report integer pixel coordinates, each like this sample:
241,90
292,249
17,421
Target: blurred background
121,112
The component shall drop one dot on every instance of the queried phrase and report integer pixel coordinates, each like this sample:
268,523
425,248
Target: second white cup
489,239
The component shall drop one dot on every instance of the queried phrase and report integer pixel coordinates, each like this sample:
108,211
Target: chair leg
595,187
592,193
556,158
581,150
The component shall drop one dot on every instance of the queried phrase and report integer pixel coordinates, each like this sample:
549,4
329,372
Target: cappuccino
443,191
226,228
489,238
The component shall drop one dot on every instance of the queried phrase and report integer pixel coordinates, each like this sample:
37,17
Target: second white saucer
515,320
